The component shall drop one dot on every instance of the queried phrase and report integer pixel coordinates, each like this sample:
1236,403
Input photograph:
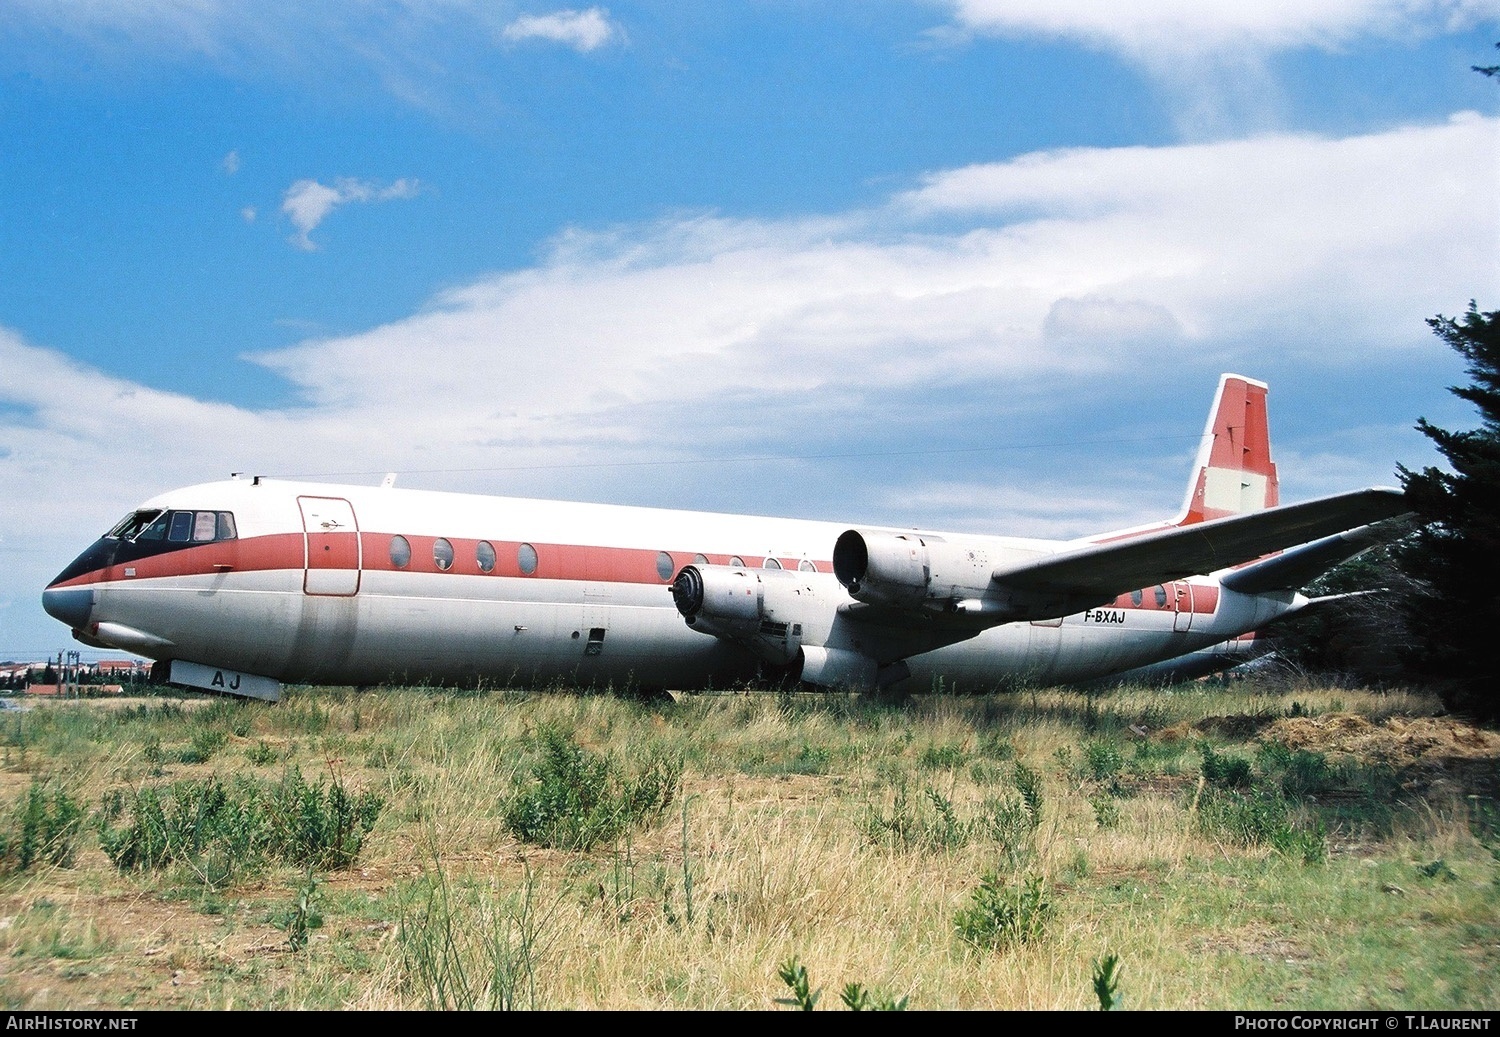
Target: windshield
179,527
129,527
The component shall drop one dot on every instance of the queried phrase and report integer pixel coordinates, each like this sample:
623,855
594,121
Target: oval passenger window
526,559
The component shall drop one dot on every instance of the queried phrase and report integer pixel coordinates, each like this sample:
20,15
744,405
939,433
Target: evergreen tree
1453,607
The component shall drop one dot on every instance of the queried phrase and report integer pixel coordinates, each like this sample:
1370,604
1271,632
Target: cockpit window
129,527
178,527
156,531
182,522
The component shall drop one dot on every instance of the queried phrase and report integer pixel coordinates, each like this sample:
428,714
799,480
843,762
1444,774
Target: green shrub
1002,915
260,754
575,799
996,747
1106,811
857,999
794,974
303,916
855,996
318,826
1107,982
1008,823
1224,772
223,830
931,825
945,757
1300,772
1260,819
187,821
201,747
1103,760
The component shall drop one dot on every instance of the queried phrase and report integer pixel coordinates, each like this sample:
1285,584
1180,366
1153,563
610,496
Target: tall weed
464,949
42,828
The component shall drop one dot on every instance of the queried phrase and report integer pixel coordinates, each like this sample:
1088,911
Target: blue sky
958,264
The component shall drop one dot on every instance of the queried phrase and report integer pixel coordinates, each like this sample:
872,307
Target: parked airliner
240,585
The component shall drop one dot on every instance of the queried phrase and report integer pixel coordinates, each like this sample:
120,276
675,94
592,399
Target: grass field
1205,847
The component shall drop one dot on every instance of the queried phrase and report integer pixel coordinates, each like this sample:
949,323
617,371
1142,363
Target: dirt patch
1426,753
1398,741
1238,725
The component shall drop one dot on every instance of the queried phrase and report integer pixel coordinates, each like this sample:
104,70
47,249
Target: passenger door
332,546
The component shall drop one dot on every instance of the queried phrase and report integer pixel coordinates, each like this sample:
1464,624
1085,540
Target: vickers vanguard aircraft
239,585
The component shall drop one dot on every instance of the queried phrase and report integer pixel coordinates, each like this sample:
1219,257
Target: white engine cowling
911,569
764,609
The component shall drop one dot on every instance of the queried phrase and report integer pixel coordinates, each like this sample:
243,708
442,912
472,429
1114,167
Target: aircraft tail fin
1234,473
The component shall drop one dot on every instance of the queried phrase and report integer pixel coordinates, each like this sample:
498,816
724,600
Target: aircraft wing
1103,570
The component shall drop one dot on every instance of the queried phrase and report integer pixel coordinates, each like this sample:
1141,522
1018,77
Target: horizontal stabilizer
1104,570
1301,565
1325,600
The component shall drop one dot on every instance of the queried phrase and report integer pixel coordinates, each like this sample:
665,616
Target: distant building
127,669
64,690
104,674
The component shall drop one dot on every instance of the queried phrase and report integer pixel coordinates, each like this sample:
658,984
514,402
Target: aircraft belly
1026,653
504,631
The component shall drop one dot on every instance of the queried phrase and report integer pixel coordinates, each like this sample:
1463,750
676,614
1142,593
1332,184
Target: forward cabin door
1182,604
332,546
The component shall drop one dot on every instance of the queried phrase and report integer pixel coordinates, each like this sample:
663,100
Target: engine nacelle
912,570
766,610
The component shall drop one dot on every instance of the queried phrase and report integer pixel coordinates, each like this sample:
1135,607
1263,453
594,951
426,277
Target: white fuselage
354,585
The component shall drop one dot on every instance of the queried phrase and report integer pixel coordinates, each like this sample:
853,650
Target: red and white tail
1234,472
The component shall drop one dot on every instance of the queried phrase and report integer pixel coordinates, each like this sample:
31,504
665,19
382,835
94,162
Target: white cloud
1095,318
307,202
1211,58
1068,261
231,163
442,56
1212,61
1158,30
582,30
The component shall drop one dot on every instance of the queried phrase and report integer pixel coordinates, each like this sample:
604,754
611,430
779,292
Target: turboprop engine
766,610
912,570
955,576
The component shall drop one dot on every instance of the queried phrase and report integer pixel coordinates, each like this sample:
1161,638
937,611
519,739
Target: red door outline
332,548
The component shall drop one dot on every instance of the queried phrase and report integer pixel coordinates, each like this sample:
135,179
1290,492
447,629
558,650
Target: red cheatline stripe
285,551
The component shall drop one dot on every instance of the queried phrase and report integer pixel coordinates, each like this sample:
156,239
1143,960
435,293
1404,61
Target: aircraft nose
71,605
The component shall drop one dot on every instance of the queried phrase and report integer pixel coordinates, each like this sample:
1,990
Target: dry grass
768,854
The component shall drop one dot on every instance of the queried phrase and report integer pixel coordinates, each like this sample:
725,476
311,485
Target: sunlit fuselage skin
307,591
